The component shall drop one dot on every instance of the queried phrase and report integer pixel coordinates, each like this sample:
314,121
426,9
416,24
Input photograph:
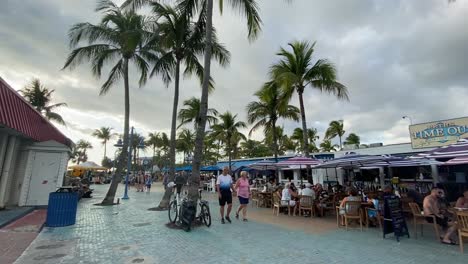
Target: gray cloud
396,57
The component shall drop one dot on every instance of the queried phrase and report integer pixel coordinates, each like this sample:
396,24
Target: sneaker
237,216
222,221
228,219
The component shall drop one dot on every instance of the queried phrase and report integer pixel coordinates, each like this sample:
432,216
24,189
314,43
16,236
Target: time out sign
438,133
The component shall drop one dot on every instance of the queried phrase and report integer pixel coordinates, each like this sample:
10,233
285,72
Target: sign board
438,133
394,220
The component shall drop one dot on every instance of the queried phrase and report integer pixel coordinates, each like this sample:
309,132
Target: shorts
443,222
243,200
148,185
291,203
226,197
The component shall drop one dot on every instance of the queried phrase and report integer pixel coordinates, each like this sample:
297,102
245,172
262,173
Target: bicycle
204,215
175,205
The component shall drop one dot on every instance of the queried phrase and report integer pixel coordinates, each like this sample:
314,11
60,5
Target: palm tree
253,148
328,146
284,142
271,105
295,72
248,9
236,138
105,134
123,36
185,142
40,97
312,137
183,42
154,141
82,146
227,128
335,129
353,139
191,112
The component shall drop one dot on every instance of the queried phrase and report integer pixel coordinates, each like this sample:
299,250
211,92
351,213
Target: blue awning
211,168
185,168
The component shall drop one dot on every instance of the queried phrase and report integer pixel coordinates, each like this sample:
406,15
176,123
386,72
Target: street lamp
407,117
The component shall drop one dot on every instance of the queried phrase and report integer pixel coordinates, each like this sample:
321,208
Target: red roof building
19,115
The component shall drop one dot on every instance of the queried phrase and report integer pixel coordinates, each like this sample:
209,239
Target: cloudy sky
396,57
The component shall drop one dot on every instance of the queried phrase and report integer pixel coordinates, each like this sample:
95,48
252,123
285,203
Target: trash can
61,210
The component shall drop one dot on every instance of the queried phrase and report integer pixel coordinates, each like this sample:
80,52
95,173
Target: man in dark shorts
224,186
431,207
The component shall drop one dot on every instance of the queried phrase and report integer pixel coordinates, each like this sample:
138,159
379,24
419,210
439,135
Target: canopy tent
457,161
265,165
353,160
211,168
88,165
458,149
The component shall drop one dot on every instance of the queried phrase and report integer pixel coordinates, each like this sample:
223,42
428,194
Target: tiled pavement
129,233
16,236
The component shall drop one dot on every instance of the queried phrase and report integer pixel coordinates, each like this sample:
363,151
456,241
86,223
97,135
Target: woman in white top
287,195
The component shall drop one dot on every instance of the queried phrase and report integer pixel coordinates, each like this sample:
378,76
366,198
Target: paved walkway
18,235
129,233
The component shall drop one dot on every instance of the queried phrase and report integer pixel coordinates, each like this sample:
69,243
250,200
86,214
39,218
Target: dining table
265,199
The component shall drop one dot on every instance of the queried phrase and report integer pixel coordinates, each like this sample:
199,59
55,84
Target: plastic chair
419,218
306,203
353,211
462,218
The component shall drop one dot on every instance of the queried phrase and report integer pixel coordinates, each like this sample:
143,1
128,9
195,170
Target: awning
211,168
353,160
88,165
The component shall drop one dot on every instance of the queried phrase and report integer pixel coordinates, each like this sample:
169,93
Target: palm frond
115,74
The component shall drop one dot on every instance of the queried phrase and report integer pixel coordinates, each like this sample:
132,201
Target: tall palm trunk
341,145
304,124
275,141
109,199
167,194
229,152
105,148
194,180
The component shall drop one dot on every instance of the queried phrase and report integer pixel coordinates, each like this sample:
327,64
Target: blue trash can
62,209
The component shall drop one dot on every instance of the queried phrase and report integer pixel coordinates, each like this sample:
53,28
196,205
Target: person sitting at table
308,191
432,207
462,202
371,214
287,197
353,197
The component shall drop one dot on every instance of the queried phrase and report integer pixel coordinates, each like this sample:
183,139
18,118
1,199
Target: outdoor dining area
378,191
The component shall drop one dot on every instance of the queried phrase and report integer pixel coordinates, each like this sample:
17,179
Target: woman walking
243,193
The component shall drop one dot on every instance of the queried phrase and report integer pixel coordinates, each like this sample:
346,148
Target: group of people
290,195
143,182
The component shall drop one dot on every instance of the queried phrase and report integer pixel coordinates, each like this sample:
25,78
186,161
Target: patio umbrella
458,149
301,161
265,165
353,160
403,163
457,161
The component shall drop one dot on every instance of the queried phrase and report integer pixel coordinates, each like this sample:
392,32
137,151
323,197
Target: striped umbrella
404,163
355,160
457,161
265,165
458,149
301,161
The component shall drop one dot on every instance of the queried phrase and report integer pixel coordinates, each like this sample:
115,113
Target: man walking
224,186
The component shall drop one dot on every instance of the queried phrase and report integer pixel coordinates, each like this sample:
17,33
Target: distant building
33,153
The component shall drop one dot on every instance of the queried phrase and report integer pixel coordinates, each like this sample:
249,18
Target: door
44,175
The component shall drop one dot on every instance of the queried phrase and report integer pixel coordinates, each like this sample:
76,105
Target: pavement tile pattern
129,233
18,235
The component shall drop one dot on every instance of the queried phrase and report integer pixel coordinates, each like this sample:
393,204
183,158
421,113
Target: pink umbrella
457,161
300,161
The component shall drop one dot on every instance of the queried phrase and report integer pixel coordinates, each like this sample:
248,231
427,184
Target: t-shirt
243,188
308,192
224,182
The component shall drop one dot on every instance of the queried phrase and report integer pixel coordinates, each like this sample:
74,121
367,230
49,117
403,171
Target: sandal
245,220
448,243
237,215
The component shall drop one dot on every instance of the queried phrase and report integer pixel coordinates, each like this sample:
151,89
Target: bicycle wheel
205,212
173,211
